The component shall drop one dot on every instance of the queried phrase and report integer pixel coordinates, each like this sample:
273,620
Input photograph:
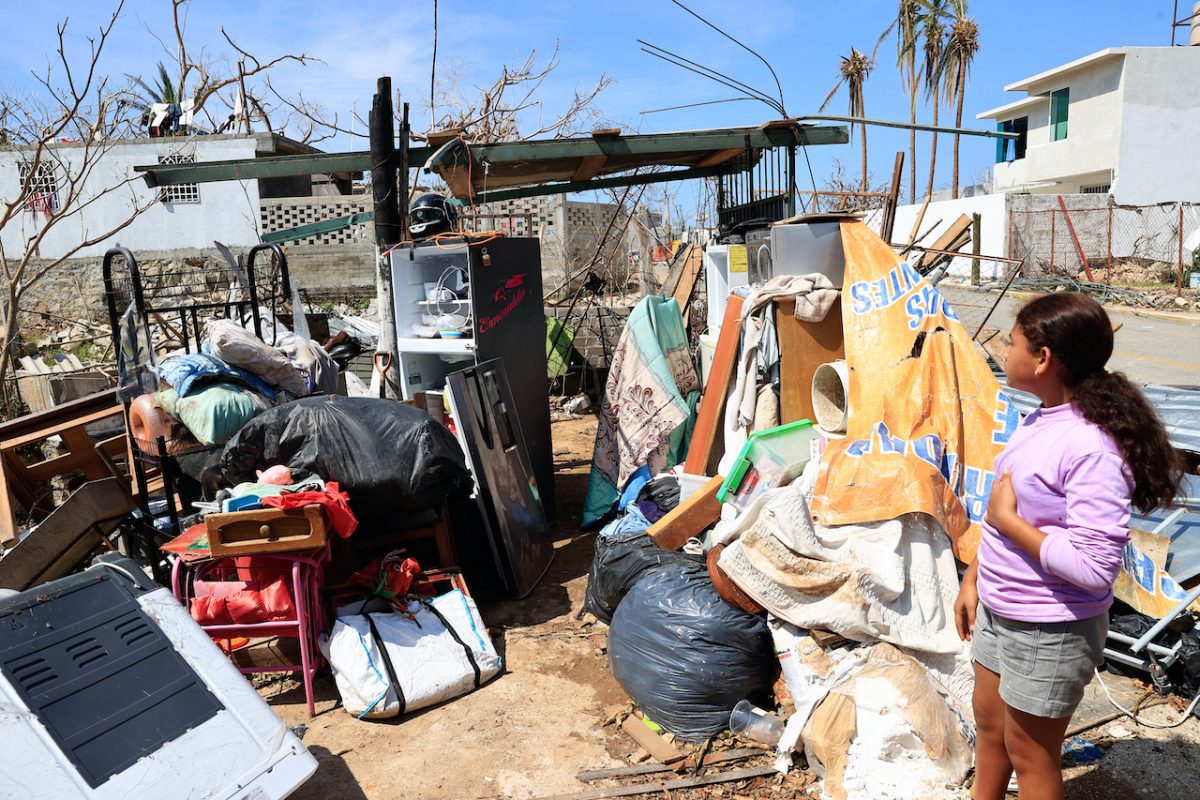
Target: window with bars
43,190
179,192
1100,188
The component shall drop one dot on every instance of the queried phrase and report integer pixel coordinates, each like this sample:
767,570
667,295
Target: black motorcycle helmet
429,215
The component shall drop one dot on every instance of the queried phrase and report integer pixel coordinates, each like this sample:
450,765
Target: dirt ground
527,733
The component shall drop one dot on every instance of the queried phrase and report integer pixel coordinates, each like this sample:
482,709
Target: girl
1037,595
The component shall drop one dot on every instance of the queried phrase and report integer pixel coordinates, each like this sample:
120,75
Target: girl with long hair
1035,601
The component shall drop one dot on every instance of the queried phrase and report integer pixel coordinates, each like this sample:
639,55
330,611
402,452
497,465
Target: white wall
1160,139
228,211
1093,126
993,229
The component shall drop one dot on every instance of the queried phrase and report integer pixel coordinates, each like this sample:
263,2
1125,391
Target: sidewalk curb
1183,317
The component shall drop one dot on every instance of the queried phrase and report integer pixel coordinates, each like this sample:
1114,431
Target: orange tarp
927,417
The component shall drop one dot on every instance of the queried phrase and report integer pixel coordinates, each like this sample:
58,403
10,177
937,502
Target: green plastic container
769,459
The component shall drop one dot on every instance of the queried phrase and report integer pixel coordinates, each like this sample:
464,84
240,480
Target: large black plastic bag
392,459
619,561
685,655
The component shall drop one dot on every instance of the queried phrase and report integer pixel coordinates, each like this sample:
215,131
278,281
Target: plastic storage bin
769,459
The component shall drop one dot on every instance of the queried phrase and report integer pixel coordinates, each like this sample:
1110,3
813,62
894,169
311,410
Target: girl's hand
1002,505
965,606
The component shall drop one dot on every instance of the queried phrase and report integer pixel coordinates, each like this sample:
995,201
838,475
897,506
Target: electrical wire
1160,726
766,98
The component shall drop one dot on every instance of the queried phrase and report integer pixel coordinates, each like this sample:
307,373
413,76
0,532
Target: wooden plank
804,346
675,271
912,237
659,748
712,402
662,787
709,760
955,231
589,167
58,428
720,157
689,518
687,283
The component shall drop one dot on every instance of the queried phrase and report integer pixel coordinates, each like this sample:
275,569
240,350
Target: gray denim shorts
1043,667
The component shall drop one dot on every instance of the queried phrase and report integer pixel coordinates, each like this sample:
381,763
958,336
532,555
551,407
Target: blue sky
360,40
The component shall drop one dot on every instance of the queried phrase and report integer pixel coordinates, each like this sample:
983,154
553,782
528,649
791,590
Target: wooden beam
589,167
598,183
690,518
720,157
687,282
712,402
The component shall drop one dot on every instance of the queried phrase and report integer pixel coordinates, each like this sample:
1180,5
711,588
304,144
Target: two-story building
1124,121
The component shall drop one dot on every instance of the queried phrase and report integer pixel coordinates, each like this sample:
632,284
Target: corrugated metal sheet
1179,410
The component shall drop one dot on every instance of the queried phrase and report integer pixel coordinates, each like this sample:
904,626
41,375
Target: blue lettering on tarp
925,303
951,472
889,443
883,292
1008,417
1170,589
929,449
858,447
977,485
1140,567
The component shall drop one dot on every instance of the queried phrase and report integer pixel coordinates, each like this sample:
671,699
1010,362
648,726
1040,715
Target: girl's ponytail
1078,333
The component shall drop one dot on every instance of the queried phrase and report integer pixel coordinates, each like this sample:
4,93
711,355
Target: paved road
1147,349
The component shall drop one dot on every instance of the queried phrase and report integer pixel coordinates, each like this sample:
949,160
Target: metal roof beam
269,167
571,187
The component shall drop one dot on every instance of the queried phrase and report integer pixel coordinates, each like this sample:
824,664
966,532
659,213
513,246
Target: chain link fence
1142,255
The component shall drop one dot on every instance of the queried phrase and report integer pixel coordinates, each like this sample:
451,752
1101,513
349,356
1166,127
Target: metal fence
1141,247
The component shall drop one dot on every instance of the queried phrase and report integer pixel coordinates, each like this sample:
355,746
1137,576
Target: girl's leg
992,765
1035,746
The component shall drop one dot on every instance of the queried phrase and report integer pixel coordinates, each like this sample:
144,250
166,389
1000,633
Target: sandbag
619,561
214,413
392,459
238,347
685,655
387,664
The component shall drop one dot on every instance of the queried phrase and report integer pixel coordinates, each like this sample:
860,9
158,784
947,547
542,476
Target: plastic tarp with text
926,415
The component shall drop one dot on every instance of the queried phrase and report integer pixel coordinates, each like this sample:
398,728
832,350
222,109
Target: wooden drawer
266,530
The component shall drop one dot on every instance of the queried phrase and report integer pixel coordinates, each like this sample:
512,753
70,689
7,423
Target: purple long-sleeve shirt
1072,483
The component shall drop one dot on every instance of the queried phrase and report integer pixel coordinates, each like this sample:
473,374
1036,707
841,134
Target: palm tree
961,47
163,90
853,72
907,33
933,46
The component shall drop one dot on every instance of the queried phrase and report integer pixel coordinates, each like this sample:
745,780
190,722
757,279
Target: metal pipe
916,126
1161,625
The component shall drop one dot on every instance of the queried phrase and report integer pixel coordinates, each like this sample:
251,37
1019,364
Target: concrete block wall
597,329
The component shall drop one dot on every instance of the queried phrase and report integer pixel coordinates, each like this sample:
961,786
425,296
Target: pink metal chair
302,572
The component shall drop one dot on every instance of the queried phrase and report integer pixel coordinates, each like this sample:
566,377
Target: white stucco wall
228,211
1093,127
1160,122
992,220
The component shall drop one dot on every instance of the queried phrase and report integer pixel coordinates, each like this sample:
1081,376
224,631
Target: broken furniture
116,694
301,573
153,307
266,530
494,287
24,482
508,496
79,527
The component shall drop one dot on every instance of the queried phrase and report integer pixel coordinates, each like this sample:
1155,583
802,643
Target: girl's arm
1086,550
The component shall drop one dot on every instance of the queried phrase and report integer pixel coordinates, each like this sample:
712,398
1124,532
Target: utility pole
388,232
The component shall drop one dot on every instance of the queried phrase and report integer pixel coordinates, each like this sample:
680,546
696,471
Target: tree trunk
933,147
863,130
912,141
962,90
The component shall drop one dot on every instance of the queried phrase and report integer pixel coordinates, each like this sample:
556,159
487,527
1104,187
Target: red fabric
391,576
246,606
336,502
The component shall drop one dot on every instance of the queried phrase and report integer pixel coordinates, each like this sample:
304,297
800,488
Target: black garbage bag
619,561
685,655
392,459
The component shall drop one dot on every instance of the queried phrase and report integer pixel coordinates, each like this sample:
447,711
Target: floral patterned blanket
646,403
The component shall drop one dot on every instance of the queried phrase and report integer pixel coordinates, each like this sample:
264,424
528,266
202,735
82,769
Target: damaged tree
60,139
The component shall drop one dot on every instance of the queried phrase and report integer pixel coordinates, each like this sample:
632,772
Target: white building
190,216
1123,121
